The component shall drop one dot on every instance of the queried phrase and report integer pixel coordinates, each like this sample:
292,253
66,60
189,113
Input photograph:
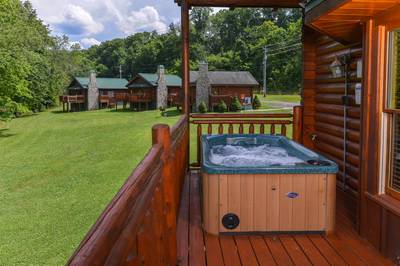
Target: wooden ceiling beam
246,3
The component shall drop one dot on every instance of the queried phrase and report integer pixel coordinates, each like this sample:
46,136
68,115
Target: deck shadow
172,113
4,134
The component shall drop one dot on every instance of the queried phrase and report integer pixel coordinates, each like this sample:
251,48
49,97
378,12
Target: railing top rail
265,122
72,96
240,116
177,128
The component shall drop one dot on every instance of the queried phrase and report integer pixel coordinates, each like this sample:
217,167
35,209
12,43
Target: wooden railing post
298,124
162,135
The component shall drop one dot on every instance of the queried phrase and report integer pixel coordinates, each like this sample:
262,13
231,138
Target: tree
36,67
203,107
221,107
236,105
256,102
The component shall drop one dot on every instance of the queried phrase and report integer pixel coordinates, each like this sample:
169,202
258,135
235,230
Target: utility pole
265,70
120,71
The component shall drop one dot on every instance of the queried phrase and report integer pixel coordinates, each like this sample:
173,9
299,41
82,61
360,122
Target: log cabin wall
324,115
308,91
368,22
232,90
380,213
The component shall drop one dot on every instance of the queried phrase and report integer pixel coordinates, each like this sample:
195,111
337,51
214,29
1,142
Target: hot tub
263,183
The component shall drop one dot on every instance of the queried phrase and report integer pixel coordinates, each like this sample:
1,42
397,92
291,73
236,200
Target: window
392,113
393,99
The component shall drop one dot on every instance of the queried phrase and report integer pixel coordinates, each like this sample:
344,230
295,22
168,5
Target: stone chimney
203,86
162,89
93,92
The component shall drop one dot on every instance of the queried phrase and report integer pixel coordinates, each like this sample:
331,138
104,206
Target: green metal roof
104,83
172,80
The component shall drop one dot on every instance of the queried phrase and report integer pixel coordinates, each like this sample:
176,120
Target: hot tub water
251,156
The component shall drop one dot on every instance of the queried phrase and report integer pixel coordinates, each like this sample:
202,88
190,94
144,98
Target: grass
59,170
57,173
267,102
281,98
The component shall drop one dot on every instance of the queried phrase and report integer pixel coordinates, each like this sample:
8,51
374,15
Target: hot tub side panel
262,204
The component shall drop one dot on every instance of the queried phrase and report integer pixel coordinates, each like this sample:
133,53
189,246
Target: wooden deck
195,247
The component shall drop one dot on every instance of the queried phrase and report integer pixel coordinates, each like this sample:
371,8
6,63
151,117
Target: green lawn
270,102
281,98
57,173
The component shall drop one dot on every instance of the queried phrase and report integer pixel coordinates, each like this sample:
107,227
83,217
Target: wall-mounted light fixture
338,66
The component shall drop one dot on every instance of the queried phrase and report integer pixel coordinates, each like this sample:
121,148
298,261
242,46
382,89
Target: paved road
274,104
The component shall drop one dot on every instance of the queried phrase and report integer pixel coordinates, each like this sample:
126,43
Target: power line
289,50
282,43
284,47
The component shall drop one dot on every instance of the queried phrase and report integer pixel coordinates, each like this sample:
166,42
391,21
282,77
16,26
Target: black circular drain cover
318,162
230,221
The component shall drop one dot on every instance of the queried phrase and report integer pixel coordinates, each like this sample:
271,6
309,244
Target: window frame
389,118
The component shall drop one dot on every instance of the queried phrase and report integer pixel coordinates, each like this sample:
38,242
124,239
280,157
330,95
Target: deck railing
138,227
72,102
247,124
72,99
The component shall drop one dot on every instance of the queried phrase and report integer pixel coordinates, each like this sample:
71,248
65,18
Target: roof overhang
245,3
343,19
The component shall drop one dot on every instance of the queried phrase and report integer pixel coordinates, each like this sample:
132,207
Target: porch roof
245,3
341,19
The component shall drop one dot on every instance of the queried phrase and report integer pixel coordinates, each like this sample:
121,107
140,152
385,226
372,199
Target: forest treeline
36,67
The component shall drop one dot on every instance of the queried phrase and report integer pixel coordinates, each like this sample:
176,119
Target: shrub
203,107
256,102
222,107
236,105
163,111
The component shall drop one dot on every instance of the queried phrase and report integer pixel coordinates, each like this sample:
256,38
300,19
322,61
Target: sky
90,22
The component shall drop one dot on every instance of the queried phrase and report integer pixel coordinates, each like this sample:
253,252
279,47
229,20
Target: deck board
278,251
213,251
327,251
262,251
196,235
182,234
246,253
229,251
196,247
294,250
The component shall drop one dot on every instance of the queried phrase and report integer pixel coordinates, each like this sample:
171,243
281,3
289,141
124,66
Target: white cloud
146,19
87,42
106,19
77,21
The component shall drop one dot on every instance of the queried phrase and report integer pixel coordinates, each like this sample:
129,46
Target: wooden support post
185,64
185,56
298,124
161,135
